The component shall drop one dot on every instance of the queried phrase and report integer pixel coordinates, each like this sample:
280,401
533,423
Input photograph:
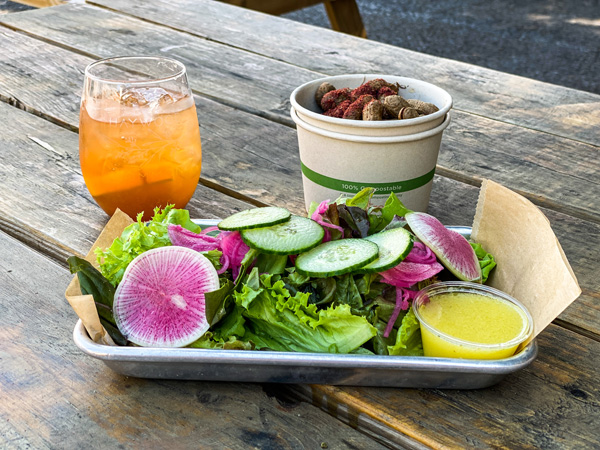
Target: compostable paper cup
303,101
336,164
340,157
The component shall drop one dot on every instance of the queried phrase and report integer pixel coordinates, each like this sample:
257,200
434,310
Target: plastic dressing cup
470,321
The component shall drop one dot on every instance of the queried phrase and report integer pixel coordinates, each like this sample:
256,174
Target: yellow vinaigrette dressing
471,325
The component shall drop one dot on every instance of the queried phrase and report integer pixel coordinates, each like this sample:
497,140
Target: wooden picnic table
538,139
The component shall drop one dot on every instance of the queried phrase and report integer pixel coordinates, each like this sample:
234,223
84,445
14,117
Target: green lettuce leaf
138,238
176,217
271,263
279,321
393,207
347,293
361,199
214,256
486,261
408,338
216,301
233,324
210,341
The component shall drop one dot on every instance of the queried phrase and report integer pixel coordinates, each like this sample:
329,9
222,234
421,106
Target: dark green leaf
245,265
113,332
92,282
354,219
347,293
271,263
215,302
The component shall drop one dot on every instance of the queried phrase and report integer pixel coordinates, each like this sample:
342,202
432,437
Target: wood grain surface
48,388
54,396
552,404
508,98
474,147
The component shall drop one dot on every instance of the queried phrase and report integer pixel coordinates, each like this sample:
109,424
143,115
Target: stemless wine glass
139,139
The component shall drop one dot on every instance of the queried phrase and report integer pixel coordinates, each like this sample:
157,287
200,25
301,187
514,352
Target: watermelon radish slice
160,300
453,250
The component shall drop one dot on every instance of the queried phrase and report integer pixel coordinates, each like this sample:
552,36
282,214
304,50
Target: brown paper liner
84,305
532,266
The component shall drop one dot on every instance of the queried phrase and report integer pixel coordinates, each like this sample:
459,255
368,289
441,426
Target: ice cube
147,96
133,97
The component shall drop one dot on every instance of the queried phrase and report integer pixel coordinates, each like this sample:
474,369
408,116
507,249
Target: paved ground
548,40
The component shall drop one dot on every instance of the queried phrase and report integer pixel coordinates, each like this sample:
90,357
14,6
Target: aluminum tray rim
325,360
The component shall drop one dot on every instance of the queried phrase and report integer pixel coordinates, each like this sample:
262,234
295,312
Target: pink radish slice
160,300
453,250
407,274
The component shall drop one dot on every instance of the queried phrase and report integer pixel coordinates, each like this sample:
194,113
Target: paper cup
340,157
336,164
303,101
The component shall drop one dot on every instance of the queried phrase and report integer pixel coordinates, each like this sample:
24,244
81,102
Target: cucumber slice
297,235
394,245
336,257
255,218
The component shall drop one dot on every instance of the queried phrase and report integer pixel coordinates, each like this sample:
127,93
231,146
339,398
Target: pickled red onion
402,298
235,249
182,237
419,265
317,216
422,254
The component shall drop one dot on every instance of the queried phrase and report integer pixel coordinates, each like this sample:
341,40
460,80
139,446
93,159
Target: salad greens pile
264,303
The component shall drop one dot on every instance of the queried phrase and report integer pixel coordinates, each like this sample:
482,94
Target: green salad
338,281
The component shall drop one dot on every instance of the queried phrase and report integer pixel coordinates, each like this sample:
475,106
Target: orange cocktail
139,144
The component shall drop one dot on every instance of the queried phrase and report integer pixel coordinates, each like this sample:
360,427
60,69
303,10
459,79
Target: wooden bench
343,15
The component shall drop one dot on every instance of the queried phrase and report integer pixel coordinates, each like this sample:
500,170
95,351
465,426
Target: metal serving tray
311,368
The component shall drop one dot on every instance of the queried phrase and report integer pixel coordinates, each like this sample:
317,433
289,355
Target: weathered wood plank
552,404
554,172
509,98
54,396
258,159
231,76
448,193
474,147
